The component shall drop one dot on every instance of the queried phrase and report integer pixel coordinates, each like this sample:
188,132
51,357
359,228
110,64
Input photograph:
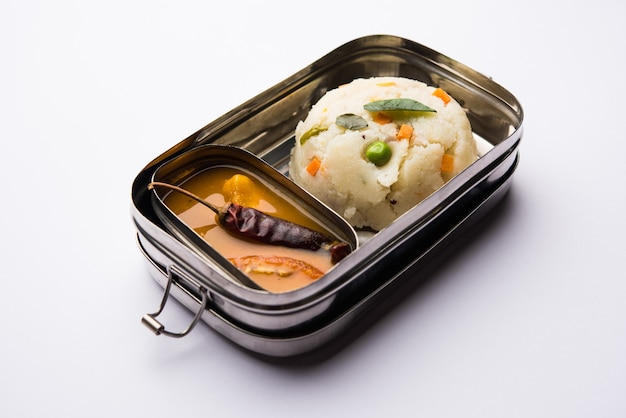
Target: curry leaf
397,104
351,121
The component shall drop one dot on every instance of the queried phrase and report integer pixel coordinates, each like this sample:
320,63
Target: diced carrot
447,163
405,132
381,119
442,95
313,166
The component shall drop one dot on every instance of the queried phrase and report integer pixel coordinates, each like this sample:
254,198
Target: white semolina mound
331,161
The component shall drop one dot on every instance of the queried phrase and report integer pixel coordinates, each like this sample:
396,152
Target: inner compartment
254,207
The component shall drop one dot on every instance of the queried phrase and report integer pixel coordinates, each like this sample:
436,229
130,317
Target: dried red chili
258,226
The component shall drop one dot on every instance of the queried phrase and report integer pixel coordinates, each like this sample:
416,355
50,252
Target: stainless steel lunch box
305,320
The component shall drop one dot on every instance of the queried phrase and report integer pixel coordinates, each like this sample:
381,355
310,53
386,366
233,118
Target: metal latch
150,321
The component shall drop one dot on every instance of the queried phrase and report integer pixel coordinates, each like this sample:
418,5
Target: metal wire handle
150,321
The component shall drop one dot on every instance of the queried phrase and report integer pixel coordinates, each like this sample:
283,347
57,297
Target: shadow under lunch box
257,137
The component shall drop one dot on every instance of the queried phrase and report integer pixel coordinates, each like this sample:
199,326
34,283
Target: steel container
304,320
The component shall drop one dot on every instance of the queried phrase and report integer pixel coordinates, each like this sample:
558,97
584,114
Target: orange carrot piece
313,166
381,119
447,163
442,95
405,132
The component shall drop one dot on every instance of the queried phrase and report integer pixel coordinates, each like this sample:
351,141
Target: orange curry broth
273,277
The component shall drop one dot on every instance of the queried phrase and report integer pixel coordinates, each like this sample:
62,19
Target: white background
527,320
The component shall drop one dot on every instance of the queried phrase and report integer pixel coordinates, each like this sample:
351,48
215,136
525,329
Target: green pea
378,152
